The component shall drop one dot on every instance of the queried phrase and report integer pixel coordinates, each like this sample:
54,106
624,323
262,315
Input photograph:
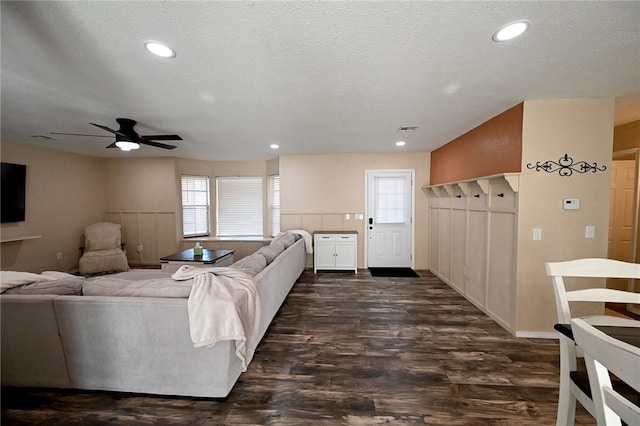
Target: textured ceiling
313,77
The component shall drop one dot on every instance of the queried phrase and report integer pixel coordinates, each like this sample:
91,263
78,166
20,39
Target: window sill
234,238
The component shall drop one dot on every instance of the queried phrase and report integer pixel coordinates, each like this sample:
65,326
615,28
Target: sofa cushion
157,287
271,251
104,244
256,263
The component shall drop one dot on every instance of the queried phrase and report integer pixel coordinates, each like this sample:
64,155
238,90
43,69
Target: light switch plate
537,234
590,231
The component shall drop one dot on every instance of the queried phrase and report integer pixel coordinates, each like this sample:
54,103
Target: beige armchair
103,250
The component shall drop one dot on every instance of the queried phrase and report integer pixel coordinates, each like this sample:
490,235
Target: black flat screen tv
14,178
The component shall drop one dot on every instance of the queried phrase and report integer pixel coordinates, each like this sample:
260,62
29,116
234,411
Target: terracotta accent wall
491,148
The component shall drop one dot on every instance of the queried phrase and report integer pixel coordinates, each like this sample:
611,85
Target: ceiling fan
127,138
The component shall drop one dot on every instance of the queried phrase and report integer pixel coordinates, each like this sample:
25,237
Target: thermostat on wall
571,203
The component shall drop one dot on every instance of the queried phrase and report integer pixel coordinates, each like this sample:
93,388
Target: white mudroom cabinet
472,243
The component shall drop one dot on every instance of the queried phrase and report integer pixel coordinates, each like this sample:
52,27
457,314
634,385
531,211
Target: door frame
633,154
365,238
629,154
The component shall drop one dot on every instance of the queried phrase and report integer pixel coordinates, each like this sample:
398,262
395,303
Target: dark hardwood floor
350,349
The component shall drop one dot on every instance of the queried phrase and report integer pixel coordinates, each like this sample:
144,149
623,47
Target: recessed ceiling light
159,49
401,143
511,30
274,146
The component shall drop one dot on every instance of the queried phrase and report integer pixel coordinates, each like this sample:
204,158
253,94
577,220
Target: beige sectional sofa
132,344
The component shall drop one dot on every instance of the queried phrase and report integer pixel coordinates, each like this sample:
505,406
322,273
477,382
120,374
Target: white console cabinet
335,250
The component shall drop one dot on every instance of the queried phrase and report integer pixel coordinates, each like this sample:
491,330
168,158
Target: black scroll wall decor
565,166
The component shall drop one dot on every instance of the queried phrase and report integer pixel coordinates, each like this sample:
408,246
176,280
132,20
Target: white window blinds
195,205
274,187
239,205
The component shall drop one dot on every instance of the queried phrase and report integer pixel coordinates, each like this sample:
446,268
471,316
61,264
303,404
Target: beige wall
65,192
584,130
318,190
141,195
144,195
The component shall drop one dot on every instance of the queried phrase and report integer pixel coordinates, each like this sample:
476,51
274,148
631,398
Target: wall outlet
359,216
347,216
140,248
59,255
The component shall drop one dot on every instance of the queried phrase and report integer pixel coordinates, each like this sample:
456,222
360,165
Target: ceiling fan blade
104,128
162,137
157,144
81,134
113,145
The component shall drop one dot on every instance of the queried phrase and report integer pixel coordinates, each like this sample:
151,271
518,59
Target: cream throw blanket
11,279
223,305
308,242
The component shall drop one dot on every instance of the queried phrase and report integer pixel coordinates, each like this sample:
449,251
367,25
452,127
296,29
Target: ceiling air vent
407,128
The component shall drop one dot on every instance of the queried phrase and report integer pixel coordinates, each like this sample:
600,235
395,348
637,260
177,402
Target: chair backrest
591,268
102,236
604,354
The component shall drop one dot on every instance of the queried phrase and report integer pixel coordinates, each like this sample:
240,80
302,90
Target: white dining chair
604,354
574,382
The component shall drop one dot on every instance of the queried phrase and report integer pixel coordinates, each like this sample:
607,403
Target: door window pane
390,203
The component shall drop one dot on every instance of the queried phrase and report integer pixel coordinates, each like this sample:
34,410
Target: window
274,190
195,205
239,205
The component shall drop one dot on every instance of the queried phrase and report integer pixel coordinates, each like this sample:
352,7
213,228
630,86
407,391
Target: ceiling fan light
159,49
127,145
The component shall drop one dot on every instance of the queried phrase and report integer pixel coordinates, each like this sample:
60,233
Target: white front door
389,218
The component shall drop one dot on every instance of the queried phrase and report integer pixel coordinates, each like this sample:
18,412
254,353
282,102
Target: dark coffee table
174,261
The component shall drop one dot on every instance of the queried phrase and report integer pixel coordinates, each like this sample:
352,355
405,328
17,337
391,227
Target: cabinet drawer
335,237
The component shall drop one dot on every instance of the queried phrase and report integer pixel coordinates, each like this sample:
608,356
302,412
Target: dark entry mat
393,272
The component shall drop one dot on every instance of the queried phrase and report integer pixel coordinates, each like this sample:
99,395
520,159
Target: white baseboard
537,334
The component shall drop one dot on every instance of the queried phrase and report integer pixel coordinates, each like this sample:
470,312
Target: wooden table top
208,256
630,335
